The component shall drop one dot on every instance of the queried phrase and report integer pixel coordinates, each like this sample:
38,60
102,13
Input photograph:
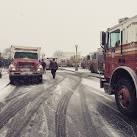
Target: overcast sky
60,24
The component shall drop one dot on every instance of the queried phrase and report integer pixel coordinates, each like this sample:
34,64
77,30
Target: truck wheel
125,97
92,69
12,80
40,79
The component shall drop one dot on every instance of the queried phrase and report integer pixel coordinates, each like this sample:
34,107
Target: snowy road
72,105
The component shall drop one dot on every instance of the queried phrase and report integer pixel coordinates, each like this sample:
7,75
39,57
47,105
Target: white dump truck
25,64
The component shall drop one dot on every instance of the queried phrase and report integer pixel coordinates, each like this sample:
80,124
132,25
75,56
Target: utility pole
76,58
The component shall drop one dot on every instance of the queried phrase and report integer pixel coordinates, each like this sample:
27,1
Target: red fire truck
25,64
120,64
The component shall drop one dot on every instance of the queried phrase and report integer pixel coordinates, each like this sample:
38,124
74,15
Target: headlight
40,68
12,67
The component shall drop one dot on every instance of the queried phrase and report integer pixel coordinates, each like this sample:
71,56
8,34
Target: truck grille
26,66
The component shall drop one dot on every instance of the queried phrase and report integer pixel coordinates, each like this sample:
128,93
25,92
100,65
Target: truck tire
125,96
12,80
40,78
91,69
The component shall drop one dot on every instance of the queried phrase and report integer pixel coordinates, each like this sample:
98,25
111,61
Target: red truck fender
125,72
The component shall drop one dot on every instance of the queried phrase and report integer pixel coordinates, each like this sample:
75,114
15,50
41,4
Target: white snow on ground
100,92
110,130
96,86
92,83
73,69
4,71
82,71
5,91
5,79
44,127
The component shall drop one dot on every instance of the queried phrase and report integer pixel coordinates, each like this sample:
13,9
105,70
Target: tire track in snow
90,127
20,124
60,117
12,109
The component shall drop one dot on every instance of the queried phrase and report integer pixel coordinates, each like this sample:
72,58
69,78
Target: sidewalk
82,71
73,69
5,79
4,71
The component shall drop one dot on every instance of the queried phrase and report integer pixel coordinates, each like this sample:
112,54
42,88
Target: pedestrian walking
53,67
43,65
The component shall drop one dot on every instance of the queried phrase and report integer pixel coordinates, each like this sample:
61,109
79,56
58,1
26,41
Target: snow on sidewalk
5,92
84,71
73,69
4,71
5,89
4,81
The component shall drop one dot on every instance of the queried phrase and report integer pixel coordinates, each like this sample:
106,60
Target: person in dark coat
43,65
53,67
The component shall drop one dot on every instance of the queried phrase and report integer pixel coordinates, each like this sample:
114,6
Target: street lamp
76,58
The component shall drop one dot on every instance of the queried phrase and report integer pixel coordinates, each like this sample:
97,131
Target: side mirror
88,57
103,39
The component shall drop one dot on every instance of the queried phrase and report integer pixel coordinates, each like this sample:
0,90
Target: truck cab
120,68
25,64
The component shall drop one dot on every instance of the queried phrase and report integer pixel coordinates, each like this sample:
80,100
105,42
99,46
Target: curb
82,72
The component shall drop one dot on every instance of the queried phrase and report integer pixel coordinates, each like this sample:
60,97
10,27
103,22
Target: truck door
113,52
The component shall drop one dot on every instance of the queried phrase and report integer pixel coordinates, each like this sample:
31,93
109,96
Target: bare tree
58,54
6,53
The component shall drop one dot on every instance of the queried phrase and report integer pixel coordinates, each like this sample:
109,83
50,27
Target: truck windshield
28,55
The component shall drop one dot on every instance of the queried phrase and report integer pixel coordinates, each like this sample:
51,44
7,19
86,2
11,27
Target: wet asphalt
72,105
